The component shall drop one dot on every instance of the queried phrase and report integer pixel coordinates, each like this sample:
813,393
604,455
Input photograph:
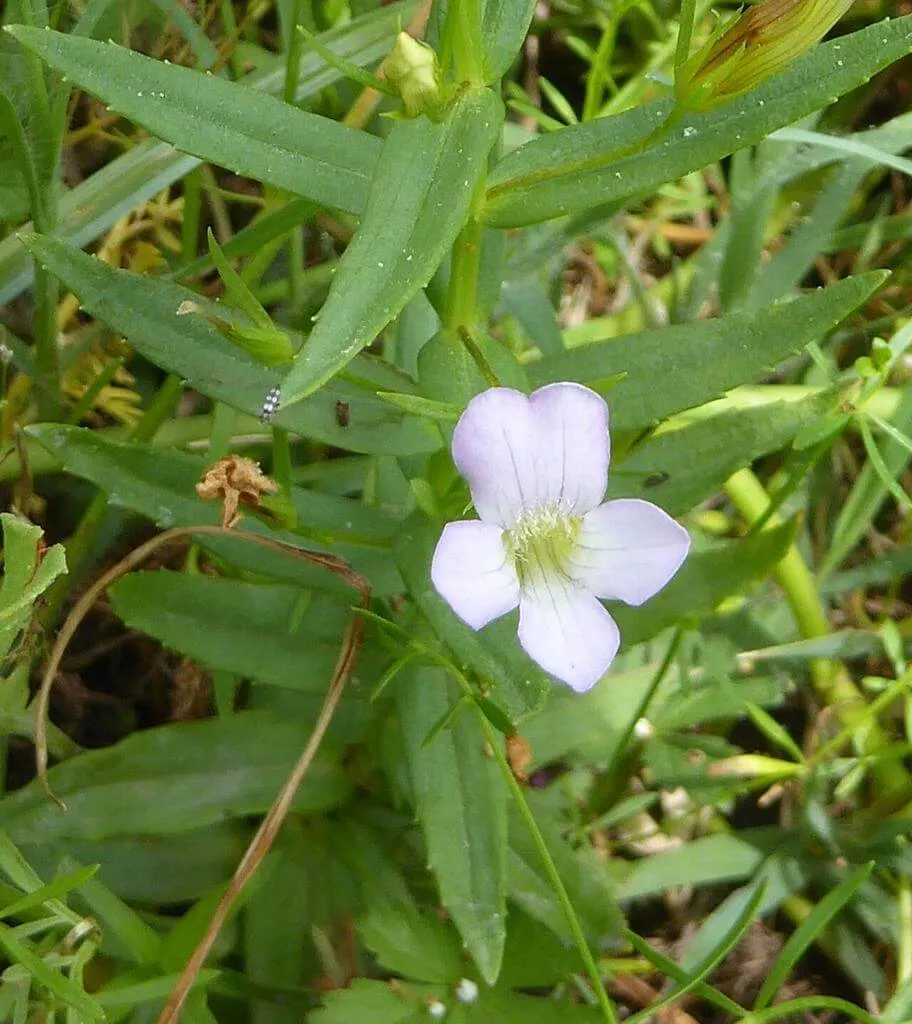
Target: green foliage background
743,767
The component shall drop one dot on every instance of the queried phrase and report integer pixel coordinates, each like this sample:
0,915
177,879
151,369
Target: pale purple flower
537,467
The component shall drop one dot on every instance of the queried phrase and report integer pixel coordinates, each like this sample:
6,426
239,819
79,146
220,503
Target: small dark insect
343,413
270,404
654,479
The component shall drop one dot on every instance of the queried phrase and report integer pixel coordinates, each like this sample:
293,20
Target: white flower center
542,542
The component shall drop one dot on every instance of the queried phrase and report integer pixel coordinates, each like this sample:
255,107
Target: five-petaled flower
537,467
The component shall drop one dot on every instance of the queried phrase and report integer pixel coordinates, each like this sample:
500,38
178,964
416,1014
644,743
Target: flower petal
567,631
628,550
573,445
494,448
472,573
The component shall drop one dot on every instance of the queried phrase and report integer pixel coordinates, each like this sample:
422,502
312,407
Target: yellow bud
763,40
414,72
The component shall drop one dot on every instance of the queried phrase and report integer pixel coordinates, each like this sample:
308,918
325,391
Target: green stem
281,459
293,58
47,355
463,40
462,298
828,675
563,897
222,430
159,410
192,212
898,688
43,206
46,285
624,742
685,34
481,361
296,274
904,953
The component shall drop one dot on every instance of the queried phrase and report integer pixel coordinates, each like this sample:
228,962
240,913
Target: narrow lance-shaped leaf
145,311
267,633
246,131
583,166
504,27
462,806
172,779
704,359
679,468
91,207
419,201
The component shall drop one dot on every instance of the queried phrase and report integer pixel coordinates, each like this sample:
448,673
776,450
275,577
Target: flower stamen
542,542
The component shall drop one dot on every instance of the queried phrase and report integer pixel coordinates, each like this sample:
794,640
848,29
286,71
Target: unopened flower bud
644,729
755,766
467,991
413,71
763,40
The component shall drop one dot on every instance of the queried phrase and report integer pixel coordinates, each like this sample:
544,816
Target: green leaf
116,919
151,870
380,1002
869,490
150,167
219,121
461,802
445,412
52,891
235,286
810,930
534,956
774,732
421,194
273,634
715,700
700,361
26,575
713,958
173,778
675,972
505,24
516,682
584,875
678,468
145,311
452,369
899,1008
19,951
790,264
412,944
394,928
588,727
703,581
712,860
281,914
376,1002
118,996
576,168
203,49
160,485
515,1008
